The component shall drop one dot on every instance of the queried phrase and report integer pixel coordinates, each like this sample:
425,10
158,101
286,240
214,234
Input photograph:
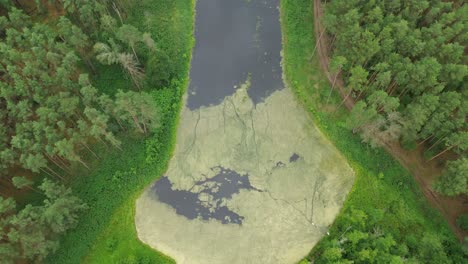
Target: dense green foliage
454,180
462,221
49,111
385,217
405,66
69,109
106,233
29,233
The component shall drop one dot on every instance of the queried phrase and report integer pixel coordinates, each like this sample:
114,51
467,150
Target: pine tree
454,180
412,50
137,109
31,233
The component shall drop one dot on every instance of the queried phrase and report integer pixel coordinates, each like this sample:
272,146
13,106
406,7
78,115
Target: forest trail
425,172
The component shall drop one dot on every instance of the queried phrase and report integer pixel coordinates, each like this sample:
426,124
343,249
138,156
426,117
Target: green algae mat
252,180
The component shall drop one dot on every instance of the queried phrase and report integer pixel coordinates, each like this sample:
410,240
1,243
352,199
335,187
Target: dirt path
423,171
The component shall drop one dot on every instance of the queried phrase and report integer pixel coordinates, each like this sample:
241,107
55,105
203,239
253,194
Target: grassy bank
106,232
381,183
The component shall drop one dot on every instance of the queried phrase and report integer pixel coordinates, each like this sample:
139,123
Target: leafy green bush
159,71
462,221
112,244
454,179
408,144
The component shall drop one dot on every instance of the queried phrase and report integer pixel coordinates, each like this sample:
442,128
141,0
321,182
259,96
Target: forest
53,116
90,95
404,65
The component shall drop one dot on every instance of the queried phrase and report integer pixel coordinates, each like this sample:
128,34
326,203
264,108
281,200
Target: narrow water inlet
234,40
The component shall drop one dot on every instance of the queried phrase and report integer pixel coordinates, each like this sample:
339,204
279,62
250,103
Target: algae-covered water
252,180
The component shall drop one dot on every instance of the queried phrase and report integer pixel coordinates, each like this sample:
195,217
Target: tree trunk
360,93
402,93
317,43
435,144
426,139
90,65
104,142
333,85
56,163
144,128
345,98
391,88
63,162
116,9
89,149
52,173
33,189
372,78
134,53
454,37
118,121
83,163
137,123
332,42
440,153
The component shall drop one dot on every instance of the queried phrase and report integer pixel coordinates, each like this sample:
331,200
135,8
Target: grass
106,232
381,182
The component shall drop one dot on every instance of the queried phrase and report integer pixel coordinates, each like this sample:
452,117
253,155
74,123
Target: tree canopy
51,114
49,110
360,238
31,233
405,66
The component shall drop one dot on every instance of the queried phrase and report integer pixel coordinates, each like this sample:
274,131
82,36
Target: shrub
462,221
159,70
111,244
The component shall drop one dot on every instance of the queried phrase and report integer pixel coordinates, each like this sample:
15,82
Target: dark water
294,157
222,186
235,38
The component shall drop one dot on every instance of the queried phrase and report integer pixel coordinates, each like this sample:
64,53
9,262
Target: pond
252,180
